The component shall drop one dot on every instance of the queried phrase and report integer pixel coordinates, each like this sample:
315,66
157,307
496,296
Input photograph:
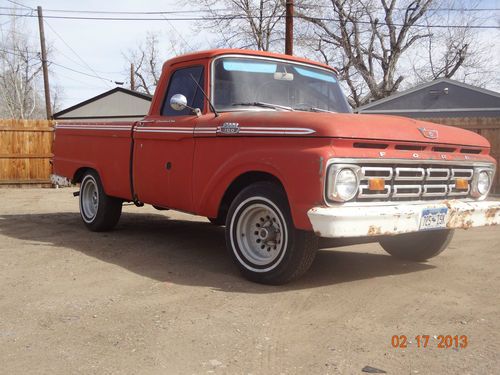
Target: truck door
164,145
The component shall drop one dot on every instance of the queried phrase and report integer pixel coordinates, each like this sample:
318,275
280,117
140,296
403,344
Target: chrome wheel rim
89,199
260,234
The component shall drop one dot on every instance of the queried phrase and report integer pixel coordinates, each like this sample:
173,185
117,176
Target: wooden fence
25,152
488,127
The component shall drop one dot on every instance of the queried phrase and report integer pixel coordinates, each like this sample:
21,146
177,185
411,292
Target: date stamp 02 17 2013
439,342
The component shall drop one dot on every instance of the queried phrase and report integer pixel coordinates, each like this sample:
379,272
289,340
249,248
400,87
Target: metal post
46,85
289,28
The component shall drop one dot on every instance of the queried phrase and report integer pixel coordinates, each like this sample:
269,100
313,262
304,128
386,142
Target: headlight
343,182
481,184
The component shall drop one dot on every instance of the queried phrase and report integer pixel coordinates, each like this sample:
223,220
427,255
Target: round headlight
483,182
346,184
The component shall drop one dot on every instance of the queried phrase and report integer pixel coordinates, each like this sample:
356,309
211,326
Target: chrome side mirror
178,102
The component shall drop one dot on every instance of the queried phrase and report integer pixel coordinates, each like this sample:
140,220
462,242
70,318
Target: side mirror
178,102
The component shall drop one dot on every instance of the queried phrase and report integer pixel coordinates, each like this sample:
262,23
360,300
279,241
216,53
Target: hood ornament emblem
429,133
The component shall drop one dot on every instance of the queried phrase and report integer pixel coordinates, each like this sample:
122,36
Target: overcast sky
101,44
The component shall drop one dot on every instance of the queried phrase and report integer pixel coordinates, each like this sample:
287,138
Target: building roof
101,106
443,97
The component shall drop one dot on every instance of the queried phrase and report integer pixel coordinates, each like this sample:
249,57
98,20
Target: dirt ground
159,295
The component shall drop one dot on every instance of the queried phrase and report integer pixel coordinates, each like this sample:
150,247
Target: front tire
418,246
262,239
98,211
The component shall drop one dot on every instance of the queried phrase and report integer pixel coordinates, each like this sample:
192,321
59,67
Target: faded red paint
204,165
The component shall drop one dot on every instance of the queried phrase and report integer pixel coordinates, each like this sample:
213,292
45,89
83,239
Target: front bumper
375,220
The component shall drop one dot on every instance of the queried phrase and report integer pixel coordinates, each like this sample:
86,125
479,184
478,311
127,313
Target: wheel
418,246
99,211
262,239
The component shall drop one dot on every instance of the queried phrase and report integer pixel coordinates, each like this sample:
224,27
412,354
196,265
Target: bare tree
146,63
147,60
20,74
255,24
372,43
455,52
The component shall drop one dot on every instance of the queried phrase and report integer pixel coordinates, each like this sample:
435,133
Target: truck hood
357,126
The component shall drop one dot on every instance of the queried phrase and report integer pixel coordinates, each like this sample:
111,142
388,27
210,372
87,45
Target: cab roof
208,54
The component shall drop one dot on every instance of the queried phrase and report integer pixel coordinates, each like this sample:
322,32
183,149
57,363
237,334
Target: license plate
433,218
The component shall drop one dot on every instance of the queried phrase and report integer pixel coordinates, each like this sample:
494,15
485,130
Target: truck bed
104,146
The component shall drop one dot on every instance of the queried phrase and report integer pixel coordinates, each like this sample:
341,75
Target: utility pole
46,85
289,28
132,77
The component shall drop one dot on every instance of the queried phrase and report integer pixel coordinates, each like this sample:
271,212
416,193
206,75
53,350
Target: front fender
299,169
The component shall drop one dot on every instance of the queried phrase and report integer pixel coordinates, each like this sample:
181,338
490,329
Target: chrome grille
414,183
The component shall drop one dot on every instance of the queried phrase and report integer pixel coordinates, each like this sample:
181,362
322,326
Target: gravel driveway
159,296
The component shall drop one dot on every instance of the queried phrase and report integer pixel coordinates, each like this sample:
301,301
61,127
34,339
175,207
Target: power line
177,32
77,71
74,52
188,11
16,53
21,5
242,17
131,12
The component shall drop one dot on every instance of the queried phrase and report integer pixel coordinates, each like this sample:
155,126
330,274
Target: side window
181,82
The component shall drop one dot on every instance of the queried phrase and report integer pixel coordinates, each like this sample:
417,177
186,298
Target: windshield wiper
265,105
313,109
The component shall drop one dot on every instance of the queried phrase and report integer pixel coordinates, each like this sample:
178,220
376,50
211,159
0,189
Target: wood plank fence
25,152
488,127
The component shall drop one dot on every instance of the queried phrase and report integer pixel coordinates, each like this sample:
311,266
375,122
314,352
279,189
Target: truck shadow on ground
188,252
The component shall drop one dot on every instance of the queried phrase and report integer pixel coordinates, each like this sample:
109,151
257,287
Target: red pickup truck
266,145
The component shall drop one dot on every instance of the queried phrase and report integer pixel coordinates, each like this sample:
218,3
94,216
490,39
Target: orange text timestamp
426,341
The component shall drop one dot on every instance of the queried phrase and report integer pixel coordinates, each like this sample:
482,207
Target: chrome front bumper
390,219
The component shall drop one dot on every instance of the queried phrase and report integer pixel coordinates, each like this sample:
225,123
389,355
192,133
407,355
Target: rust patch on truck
460,219
491,213
373,230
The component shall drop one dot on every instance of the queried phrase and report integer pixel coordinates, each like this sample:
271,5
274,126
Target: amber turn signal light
461,184
376,184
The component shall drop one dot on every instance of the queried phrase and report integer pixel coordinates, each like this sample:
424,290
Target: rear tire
418,246
262,239
98,211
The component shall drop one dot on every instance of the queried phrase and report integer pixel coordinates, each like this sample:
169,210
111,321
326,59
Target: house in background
118,104
449,102
437,99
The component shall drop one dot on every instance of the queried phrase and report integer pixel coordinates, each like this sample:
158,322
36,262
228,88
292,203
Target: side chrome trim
90,127
260,130
158,129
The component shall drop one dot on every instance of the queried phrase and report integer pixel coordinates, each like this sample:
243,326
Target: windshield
241,82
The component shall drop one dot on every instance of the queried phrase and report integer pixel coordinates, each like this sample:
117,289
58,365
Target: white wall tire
98,211
261,238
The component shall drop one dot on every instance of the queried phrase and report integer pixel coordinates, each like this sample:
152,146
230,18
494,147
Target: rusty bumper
375,220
